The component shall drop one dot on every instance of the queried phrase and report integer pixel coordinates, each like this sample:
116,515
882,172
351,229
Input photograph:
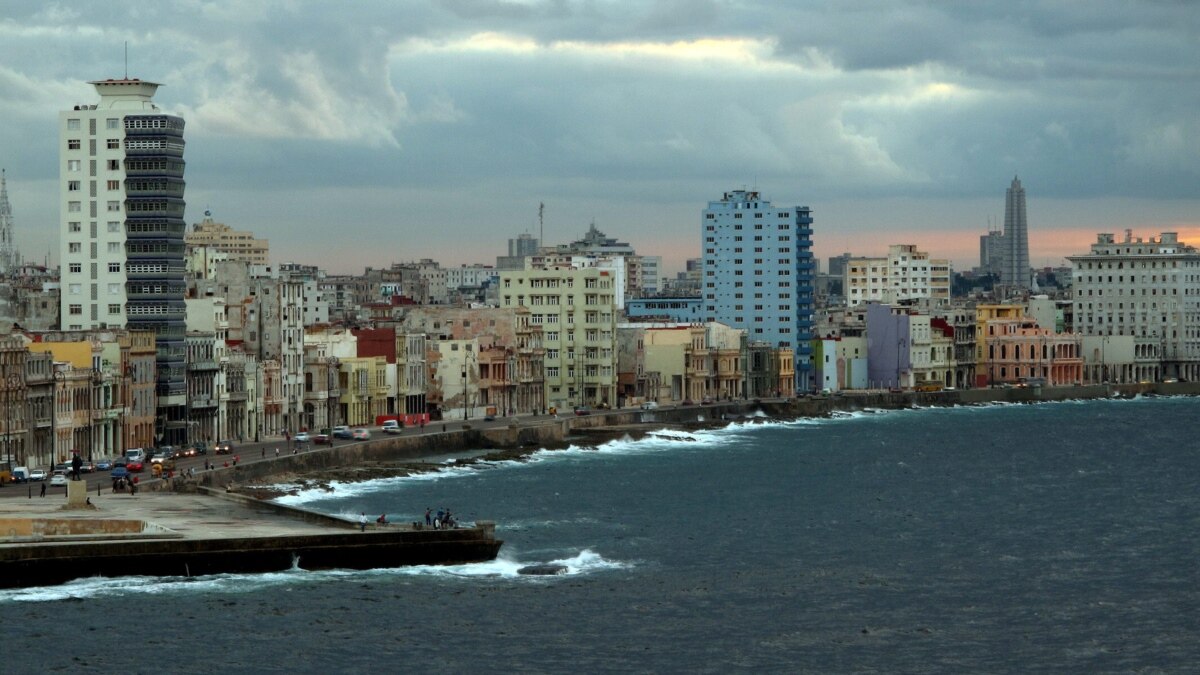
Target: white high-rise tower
121,231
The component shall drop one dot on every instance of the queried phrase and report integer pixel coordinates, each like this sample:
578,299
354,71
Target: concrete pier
182,534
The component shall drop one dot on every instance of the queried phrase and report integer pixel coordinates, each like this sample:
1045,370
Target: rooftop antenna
541,224
127,59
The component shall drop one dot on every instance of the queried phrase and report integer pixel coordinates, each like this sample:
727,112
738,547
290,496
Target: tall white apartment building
905,274
576,308
1149,289
121,229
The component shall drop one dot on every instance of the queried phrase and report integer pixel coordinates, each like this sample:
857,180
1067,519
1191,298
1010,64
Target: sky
355,134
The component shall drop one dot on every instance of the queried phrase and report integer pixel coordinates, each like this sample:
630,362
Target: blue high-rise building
758,272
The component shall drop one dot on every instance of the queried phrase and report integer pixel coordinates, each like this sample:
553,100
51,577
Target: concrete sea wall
542,432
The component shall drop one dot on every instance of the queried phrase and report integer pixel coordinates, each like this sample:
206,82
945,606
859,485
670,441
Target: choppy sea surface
1058,537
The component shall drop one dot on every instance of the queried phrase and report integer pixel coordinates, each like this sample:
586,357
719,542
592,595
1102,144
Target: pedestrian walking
276,453
43,489
428,516
264,453
362,522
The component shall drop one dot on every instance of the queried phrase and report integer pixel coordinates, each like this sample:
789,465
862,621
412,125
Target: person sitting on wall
382,519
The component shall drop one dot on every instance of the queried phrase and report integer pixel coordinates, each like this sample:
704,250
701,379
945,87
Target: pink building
1021,352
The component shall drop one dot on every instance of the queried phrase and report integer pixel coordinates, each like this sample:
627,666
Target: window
114,226
114,164
73,165
114,309
74,207
114,206
73,247
114,185
73,125
76,309
114,247
73,186
75,268
114,144
114,289
74,289
113,267
112,123
73,144
74,226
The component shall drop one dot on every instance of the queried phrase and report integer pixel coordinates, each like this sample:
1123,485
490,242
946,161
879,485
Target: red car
133,466
321,439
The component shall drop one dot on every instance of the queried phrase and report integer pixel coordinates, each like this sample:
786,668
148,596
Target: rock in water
543,570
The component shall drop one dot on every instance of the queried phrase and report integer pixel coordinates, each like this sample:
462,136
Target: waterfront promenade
438,441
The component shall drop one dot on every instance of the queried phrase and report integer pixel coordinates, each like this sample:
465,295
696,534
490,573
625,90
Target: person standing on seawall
362,522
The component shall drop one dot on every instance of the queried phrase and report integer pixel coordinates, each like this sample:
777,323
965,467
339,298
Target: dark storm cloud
493,105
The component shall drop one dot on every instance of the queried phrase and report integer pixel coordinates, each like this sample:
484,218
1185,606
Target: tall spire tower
8,251
1015,274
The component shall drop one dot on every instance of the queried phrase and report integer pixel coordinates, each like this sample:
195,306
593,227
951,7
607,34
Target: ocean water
1058,538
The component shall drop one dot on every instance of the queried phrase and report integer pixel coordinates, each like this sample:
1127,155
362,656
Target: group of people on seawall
441,521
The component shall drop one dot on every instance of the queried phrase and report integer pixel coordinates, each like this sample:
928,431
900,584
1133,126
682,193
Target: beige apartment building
576,309
905,274
238,245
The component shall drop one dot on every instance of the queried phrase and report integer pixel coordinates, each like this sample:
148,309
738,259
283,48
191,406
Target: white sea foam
656,441
584,562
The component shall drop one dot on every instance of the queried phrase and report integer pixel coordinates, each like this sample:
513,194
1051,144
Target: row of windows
77,310
153,123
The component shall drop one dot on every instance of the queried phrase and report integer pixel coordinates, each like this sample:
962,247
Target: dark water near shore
1045,538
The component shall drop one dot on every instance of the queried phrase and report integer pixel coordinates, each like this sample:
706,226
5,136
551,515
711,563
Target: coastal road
261,451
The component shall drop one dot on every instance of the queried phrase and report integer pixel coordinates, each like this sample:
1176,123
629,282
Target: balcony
203,365
196,402
237,395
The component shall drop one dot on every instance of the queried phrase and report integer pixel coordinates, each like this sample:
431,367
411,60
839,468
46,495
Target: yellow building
576,308
362,382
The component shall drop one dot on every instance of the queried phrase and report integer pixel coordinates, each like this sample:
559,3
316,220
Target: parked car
59,479
323,439
37,474
342,431
223,447
134,466
302,437
361,435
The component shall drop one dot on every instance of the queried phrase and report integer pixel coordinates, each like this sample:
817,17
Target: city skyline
440,127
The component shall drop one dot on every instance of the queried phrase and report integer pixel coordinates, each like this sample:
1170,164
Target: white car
37,474
391,427
301,437
59,479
